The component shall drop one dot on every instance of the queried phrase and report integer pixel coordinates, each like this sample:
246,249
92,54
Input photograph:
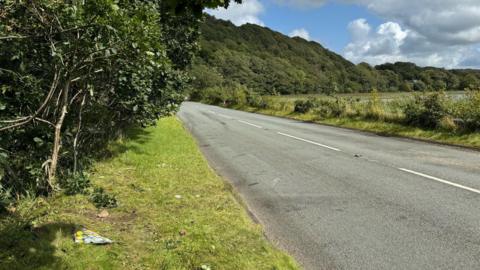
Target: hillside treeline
269,62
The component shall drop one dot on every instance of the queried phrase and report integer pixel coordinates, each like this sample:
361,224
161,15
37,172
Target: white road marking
441,180
247,123
224,116
308,141
212,112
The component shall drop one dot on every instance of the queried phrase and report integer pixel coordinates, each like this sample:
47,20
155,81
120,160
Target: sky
441,33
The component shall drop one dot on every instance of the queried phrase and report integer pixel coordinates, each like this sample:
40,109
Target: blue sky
326,24
442,33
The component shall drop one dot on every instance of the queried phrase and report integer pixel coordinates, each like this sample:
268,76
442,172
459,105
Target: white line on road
247,123
224,116
212,112
304,140
441,180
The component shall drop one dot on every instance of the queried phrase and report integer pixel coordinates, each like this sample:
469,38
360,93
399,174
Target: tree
75,74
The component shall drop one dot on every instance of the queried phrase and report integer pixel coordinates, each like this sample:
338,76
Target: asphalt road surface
341,199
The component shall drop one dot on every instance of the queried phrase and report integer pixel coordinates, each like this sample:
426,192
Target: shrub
468,110
270,103
75,74
77,183
237,95
214,96
331,108
305,106
101,199
447,123
426,110
6,198
256,101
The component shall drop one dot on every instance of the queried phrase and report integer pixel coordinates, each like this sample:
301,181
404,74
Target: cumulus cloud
443,21
248,12
390,42
428,32
447,21
301,32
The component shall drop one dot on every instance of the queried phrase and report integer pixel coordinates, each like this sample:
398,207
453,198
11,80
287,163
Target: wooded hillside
269,62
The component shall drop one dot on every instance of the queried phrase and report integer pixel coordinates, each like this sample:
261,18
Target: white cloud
359,29
377,47
428,32
447,21
443,21
391,43
301,32
239,14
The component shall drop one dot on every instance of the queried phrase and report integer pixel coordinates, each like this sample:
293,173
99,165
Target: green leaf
38,140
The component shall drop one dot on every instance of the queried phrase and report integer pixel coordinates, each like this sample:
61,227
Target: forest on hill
268,62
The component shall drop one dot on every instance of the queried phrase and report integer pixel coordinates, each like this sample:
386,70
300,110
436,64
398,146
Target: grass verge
470,140
174,213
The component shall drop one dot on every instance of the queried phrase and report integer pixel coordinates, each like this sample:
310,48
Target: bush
331,108
75,74
101,199
447,123
77,183
256,101
468,110
214,96
6,198
236,95
305,106
426,110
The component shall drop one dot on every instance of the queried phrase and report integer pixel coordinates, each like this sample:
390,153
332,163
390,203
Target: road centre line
441,180
247,123
308,141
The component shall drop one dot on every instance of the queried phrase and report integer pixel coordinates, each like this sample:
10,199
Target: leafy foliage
304,106
77,183
75,74
426,110
101,199
469,111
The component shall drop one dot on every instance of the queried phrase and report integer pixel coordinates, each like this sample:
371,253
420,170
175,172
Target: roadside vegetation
433,116
173,212
74,75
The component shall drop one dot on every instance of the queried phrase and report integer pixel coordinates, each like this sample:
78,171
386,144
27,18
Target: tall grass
433,111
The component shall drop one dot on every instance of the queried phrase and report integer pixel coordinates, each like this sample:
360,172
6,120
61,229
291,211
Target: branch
44,121
28,119
13,37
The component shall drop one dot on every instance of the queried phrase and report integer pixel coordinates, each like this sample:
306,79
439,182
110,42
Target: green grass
471,140
146,172
360,96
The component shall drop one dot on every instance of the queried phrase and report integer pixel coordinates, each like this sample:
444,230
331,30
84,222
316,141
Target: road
342,199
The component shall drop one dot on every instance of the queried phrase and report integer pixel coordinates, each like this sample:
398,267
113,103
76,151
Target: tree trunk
77,136
57,142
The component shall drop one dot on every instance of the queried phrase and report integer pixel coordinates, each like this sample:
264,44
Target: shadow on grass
24,247
128,141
